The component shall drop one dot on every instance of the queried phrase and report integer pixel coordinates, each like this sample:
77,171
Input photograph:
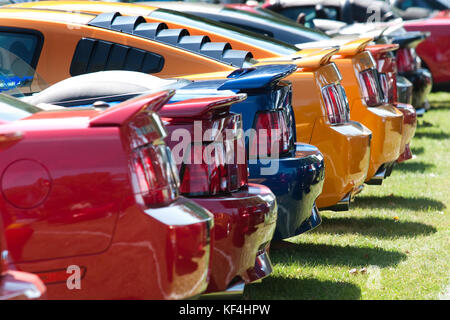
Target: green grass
408,258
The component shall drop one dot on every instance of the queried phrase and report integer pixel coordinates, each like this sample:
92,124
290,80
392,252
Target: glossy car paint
435,50
245,219
54,26
301,170
386,64
346,176
83,208
385,121
16,285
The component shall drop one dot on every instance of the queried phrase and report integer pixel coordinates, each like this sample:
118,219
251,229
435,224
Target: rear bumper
244,223
236,290
296,183
16,285
157,253
404,90
346,149
422,83
409,128
386,124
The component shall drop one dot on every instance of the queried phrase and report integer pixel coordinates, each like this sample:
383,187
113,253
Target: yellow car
319,102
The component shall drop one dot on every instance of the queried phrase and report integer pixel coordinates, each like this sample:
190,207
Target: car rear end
156,244
361,83
322,119
294,172
214,174
390,86
409,65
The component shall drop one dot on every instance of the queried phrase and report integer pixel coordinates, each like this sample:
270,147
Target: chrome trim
233,292
378,178
342,205
263,267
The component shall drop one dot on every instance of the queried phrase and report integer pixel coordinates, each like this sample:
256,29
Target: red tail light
271,127
336,103
370,87
216,167
406,59
157,176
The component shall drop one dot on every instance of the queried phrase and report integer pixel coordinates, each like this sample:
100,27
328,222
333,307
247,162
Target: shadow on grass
417,150
375,227
414,166
395,202
333,255
432,135
301,289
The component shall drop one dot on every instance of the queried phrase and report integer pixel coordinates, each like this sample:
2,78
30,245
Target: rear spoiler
377,49
200,108
125,111
258,77
354,47
310,58
316,59
9,139
410,39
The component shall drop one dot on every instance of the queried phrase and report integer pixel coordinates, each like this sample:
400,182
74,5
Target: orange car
318,101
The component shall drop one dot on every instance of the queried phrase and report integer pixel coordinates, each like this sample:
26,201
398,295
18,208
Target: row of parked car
154,151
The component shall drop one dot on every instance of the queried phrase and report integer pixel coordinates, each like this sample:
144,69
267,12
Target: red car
245,214
435,50
90,203
387,72
15,285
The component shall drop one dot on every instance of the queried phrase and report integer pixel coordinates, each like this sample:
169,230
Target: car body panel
385,121
65,229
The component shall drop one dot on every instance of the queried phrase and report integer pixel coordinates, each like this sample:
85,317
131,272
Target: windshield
280,21
239,34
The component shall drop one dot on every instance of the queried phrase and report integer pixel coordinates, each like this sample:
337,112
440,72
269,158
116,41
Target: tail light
336,103
216,167
271,127
387,89
370,86
157,175
407,60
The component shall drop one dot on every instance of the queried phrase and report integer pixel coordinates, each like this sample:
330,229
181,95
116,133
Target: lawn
396,235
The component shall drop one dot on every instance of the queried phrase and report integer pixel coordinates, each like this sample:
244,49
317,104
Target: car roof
291,3
81,18
219,51
181,5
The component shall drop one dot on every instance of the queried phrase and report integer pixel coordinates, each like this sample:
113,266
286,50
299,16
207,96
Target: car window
17,77
22,45
243,35
310,14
